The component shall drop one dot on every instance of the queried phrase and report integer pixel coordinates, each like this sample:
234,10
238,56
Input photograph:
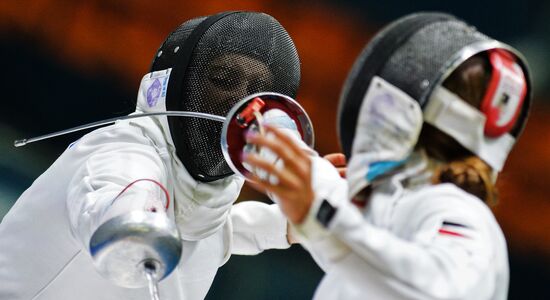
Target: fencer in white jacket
411,219
205,65
44,238
414,240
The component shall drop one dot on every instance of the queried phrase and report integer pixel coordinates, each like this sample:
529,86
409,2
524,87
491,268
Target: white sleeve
93,194
257,227
441,266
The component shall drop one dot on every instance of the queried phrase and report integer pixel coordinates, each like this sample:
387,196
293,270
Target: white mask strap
452,115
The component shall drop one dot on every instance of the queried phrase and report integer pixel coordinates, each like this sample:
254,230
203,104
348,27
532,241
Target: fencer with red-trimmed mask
427,118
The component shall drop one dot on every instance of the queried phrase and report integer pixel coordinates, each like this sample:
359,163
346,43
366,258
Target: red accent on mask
507,82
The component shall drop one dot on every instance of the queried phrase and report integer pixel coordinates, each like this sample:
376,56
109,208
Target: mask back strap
450,114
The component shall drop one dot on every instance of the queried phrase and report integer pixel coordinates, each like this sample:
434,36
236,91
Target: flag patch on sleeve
454,229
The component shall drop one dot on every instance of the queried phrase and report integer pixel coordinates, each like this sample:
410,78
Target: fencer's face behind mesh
237,55
253,75
228,79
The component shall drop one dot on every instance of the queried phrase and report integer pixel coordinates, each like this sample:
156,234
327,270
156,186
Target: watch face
326,213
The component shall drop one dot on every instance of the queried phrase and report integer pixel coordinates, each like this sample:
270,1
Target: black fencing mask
414,55
217,61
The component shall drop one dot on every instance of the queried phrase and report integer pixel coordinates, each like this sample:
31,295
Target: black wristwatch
326,213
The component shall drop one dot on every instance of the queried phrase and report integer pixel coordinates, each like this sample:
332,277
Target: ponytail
470,174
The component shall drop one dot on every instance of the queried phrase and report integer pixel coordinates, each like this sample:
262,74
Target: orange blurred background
117,39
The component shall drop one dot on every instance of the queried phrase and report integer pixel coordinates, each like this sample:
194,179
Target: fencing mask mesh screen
417,64
229,56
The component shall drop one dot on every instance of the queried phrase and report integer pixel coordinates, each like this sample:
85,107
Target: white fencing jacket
44,238
413,240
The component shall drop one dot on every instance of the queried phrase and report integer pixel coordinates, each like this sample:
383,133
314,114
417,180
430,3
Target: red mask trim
505,93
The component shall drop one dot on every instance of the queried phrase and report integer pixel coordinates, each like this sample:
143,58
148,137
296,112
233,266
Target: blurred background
70,62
